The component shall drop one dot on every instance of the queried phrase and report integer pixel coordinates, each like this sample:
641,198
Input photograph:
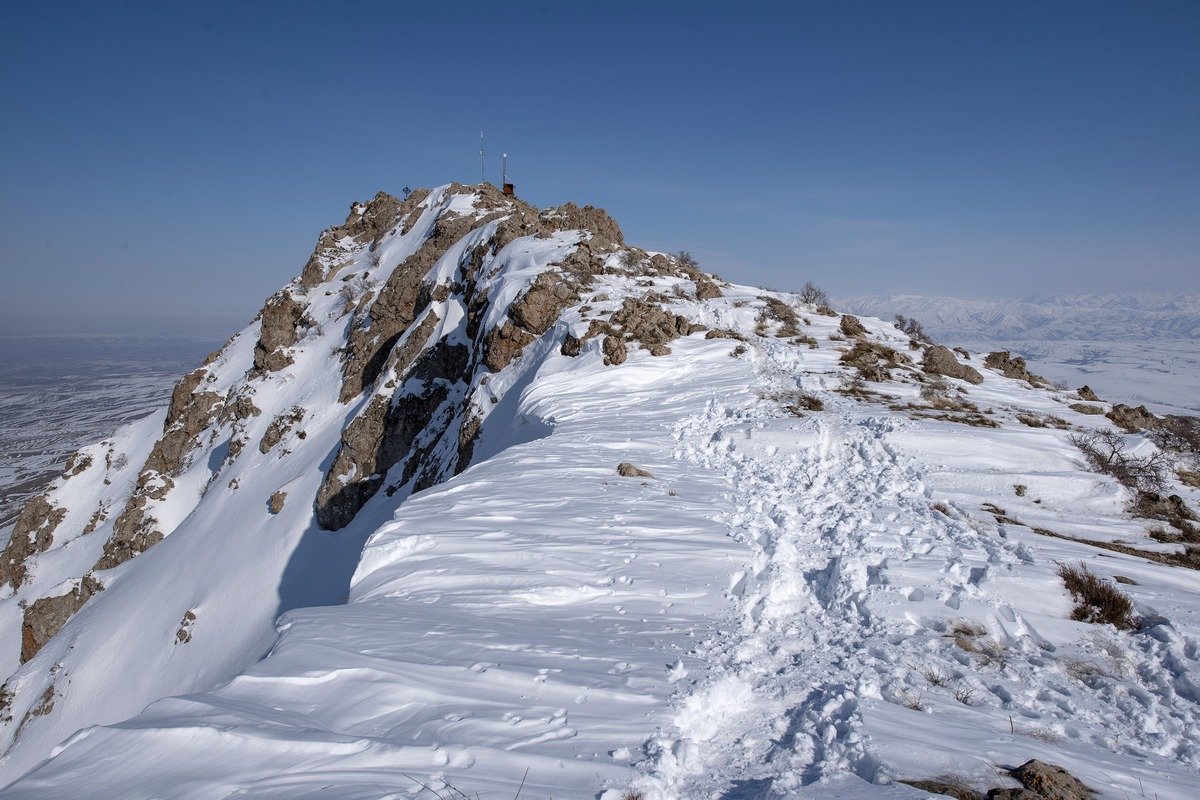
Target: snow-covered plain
796,603
1136,349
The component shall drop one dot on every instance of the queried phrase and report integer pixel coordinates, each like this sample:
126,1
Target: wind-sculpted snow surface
799,583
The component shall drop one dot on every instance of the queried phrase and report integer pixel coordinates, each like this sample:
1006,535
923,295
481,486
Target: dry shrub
1097,600
949,785
813,295
1105,453
913,329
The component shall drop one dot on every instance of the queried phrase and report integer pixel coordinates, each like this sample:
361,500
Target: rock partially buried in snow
627,470
850,326
275,504
1043,781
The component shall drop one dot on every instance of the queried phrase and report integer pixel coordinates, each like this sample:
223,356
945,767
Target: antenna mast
481,156
504,168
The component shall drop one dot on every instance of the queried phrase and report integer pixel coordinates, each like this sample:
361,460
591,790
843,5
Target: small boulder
940,360
627,470
1050,782
850,326
1086,393
275,504
1133,419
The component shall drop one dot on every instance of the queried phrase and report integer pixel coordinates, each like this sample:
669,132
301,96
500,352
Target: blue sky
165,166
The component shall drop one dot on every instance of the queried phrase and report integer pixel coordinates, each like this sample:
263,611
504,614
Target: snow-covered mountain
488,498
1108,317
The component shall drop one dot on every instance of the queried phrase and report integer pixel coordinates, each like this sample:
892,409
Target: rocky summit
489,502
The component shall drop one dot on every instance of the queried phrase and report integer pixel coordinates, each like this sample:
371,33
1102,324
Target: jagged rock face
366,223
1012,367
279,319
1133,419
940,360
46,616
189,413
33,533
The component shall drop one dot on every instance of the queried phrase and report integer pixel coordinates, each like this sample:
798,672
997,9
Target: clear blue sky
168,165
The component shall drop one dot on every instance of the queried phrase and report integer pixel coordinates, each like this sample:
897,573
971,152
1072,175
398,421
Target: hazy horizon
168,168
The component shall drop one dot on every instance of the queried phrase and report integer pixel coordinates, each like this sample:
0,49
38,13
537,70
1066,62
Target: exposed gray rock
279,319
614,350
45,617
1013,367
32,533
940,360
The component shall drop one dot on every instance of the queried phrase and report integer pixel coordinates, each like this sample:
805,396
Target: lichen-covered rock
45,617
32,533
1014,367
940,360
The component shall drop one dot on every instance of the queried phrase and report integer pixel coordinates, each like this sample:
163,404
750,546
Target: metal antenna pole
504,180
481,156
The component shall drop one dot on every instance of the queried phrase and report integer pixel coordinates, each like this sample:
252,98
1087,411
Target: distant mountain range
1119,317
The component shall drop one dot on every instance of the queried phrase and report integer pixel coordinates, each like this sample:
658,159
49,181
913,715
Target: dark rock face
189,413
366,223
45,617
1086,393
941,361
33,533
650,324
1013,367
279,427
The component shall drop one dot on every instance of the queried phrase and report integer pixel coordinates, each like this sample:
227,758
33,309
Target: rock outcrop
32,533
46,616
1013,367
940,360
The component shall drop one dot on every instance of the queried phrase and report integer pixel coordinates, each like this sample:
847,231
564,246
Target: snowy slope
824,585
